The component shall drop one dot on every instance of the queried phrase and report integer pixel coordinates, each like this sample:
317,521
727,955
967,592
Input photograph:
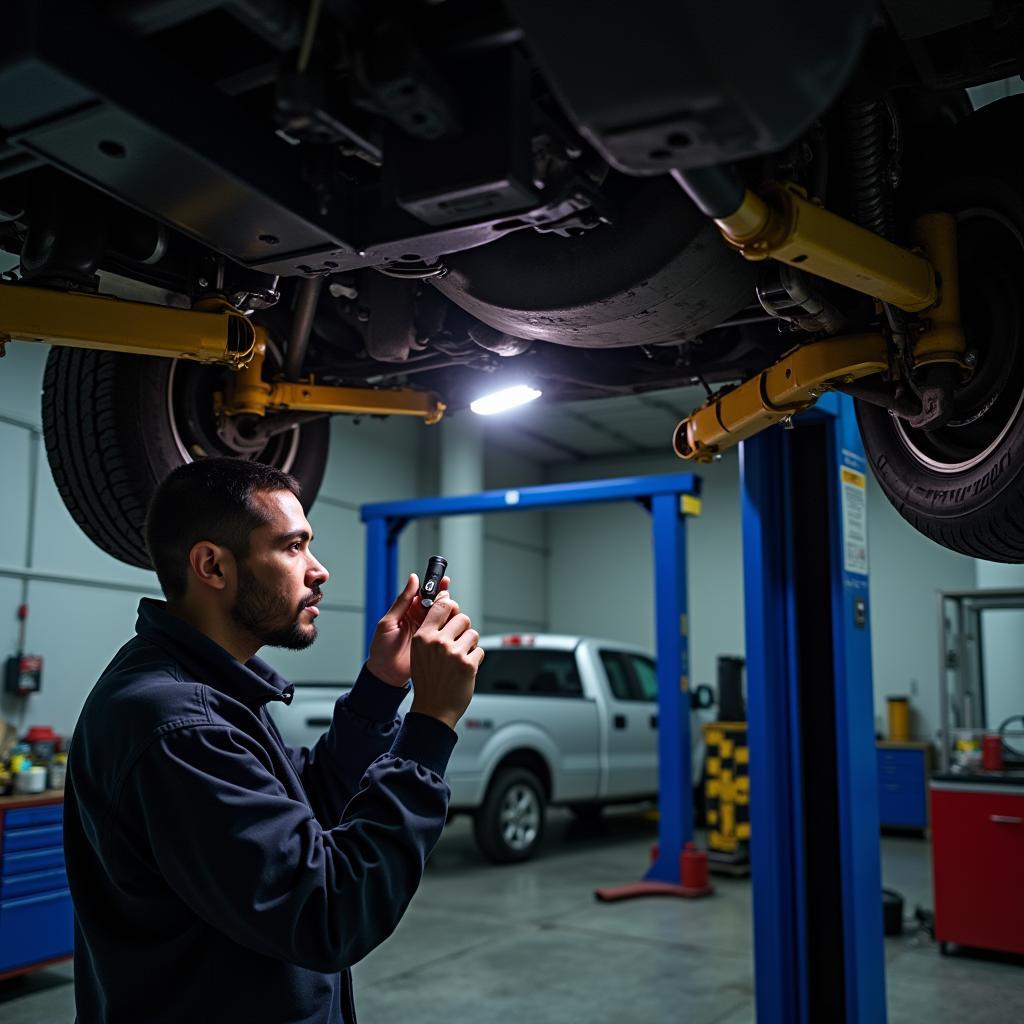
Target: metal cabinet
977,852
903,785
36,916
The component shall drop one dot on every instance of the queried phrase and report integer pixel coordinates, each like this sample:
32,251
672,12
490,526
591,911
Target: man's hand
390,647
445,659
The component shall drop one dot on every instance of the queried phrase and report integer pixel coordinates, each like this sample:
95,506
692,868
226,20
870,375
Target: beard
270,616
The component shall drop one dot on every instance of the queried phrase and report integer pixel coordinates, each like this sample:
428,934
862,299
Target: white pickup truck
554,720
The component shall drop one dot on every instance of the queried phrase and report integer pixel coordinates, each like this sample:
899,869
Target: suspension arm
787,226
878,267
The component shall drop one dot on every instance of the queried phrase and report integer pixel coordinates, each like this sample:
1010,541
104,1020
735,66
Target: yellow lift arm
219,334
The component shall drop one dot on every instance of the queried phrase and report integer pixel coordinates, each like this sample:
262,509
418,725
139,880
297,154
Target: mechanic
217,874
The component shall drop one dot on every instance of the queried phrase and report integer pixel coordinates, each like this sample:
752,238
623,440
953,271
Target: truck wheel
962,484
509,825
115,425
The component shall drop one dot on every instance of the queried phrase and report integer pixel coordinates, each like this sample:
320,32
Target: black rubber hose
868,154
715,191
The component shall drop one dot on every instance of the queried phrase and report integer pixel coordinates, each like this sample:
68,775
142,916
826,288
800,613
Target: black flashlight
432,579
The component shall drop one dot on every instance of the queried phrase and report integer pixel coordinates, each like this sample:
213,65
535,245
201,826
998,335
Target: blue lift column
815,850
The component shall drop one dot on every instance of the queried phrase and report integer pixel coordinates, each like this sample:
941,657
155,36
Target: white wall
515,596
601,569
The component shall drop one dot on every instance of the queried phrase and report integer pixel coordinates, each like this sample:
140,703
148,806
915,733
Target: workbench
36,917
977,853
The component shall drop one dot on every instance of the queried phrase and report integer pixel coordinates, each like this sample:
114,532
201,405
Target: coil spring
867,138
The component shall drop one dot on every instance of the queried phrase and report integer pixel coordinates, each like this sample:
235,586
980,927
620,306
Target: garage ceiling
597,429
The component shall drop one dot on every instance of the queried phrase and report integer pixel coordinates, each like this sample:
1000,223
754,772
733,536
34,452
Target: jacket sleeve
256,865
363,727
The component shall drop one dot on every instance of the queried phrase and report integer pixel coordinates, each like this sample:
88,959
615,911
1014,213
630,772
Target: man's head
230,545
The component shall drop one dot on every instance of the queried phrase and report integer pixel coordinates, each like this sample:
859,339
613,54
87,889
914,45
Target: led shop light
505,399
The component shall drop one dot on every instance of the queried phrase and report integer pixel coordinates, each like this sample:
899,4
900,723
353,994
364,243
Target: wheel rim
520,817
991,265
190,409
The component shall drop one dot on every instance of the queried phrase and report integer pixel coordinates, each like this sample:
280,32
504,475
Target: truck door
633,725
540,687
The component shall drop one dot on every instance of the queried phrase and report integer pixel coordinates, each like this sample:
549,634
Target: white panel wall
601,569
515,547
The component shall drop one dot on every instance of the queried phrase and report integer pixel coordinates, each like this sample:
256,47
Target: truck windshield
530,672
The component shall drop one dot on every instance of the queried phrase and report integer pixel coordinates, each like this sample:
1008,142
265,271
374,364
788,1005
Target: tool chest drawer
23,862
32,838
36,914
33,882
902,786
906,765
34,928
30,817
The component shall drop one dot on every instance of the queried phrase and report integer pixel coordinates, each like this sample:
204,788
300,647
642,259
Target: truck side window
619,678
531,673
646,675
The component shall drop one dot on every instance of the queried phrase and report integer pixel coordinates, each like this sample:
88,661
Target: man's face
279,583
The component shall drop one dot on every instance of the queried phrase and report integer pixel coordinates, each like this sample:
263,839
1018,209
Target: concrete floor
483,945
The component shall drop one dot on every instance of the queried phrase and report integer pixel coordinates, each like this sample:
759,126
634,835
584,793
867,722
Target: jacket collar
253,684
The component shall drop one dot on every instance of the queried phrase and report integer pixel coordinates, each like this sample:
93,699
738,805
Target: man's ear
211,564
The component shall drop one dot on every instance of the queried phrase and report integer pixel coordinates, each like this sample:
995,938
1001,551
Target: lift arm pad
787,387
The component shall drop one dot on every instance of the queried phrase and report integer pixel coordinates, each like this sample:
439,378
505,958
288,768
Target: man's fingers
439,611
404,599
468,640
456,626
476,656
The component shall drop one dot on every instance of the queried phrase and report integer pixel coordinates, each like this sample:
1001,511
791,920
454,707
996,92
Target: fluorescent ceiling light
506,398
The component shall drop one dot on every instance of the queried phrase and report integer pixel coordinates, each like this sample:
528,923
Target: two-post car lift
814,808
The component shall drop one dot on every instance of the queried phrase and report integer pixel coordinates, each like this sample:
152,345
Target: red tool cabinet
977,857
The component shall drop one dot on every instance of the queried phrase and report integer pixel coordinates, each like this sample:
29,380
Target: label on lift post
855,534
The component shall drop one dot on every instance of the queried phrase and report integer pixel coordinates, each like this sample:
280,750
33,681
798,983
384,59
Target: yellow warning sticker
855,533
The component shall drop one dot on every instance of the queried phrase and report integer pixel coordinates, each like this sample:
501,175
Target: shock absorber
868,156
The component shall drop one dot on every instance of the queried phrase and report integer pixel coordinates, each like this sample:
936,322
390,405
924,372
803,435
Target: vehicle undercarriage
341,207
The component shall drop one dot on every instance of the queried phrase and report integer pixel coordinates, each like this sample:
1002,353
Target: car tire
510,823
962,484
115,425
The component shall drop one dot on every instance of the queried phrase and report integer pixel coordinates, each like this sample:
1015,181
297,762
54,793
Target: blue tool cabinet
903,770
36,918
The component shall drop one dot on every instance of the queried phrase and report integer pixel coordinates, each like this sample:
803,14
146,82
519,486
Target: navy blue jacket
217,874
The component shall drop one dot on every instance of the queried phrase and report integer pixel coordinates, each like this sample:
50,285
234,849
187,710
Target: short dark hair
209,499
